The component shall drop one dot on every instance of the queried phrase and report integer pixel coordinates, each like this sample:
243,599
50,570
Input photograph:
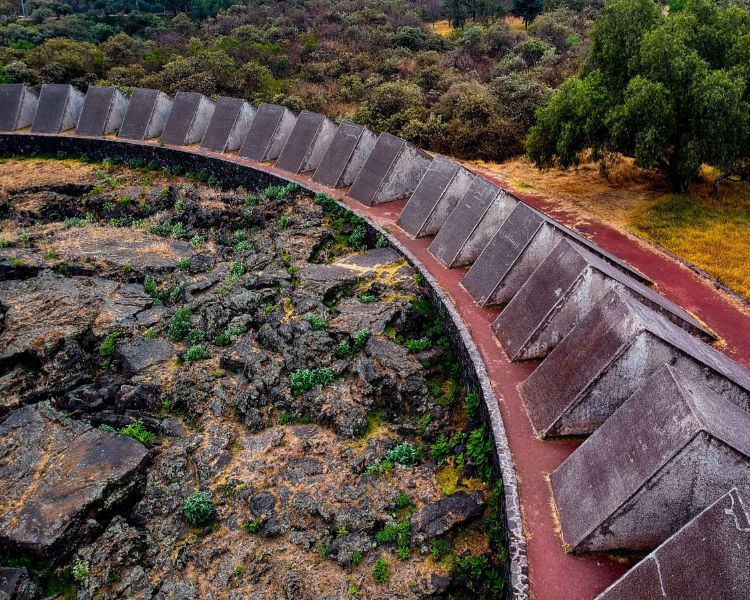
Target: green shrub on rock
198,509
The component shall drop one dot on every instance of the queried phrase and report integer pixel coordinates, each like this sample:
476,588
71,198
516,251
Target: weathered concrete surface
669,452
268,133
307,144
229,125
17,106
58,108
435,197
346,155
561,291
188,119
472,223
392,171
518,247
146,116
605,358
103,111
58,475
707,558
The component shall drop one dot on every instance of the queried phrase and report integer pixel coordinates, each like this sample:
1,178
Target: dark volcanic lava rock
16,585
58,475
440,517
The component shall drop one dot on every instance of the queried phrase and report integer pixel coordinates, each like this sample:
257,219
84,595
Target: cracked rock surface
160,338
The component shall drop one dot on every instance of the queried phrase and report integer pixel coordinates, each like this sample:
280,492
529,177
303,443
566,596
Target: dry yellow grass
442,27
712,233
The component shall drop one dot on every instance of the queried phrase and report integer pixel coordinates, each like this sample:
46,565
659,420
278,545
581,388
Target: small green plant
368,298
277,192
376,469
304,380
184,263
179,325
139,432
478,573
24,236
440,549
52,254
197,240
198,509
317,322
283,222
479,452
400,534
402,501
358,237
342,532
237,269
419,345
4,243
151,334
80,571
242,246
251,526
381,241
126,268
107,347
441,449
239,570
353,589
380,571
343,350
225,338
269,308
472,407
357,557
176,231
360,339
403,454
197,352
323,548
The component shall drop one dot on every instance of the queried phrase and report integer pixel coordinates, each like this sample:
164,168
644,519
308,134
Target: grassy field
711,232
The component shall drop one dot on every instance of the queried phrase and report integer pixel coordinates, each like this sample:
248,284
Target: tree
455,11
671,90
528,10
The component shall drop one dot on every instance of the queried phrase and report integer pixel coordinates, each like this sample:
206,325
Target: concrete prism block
229,125
472,223
604,359
58,108
307,144
346,155
146,116
103,111
17,106
268,133
436,195
707,558
669,452
391,172
561,291
188,119
523,241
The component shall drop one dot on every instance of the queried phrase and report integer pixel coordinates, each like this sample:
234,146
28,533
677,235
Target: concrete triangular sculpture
58,108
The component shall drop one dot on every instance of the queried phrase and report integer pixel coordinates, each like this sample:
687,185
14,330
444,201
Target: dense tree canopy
470,92
668,88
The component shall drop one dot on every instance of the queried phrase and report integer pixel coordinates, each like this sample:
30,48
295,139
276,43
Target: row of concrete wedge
667,458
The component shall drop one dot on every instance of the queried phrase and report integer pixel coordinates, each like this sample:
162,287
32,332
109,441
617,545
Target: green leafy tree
671,90
528,10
